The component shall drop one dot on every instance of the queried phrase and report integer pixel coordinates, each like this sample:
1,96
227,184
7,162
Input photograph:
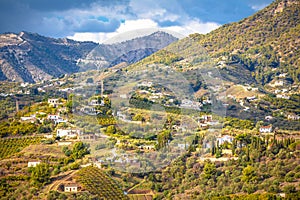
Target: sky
99,20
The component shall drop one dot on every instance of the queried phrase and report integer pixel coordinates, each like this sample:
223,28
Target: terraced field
10,146
97,182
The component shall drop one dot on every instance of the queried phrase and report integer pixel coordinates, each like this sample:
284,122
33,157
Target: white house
251,98
282,75
293,117
265,129
32,118
268,118
88,110
282,96
145,84
277,91
53,102
147,147
120,115
70,187
95,102
278,83
53,117
186,103
33,163
68,133
206,118
225,138
56,119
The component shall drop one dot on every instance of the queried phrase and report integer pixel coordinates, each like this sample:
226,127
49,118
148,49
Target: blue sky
98,20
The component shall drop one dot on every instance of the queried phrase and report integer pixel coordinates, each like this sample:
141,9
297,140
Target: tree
79,150
163,138
138,117
209,170
40,175
249,174
111,129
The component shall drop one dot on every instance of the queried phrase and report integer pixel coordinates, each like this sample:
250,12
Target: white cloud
130,25
95,37
136,28
131,28
194,26
147,17
258,6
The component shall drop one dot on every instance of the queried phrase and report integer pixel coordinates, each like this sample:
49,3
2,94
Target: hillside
266,44
29,57
255,50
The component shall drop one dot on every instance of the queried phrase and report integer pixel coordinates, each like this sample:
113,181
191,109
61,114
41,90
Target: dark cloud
219,11
60,18
39,16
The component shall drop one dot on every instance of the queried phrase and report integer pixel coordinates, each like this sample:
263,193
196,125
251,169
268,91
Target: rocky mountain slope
131,51
29,57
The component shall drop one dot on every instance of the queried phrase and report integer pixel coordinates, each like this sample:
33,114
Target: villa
68,133
265,129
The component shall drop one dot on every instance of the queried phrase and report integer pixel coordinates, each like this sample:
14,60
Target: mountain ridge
30,57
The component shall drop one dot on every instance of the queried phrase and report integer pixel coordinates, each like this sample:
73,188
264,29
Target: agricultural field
97,182
11,146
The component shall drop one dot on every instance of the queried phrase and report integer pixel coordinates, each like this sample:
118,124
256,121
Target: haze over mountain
29,57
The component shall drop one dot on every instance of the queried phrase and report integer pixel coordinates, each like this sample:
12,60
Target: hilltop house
95,102
54,102
68,133
282,96
206,118
145,84
147,147
265,129
293,117
56,119
186,103
32,118
225,138
33,163
88,110
71,187
251,98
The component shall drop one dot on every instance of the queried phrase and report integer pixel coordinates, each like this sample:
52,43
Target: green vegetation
10,146
40,175
97,182
263,164
79,151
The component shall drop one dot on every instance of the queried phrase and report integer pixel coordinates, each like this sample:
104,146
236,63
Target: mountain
265,44
131,51
29,57
255,50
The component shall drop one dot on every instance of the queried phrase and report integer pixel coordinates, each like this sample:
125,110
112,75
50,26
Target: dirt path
59,180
